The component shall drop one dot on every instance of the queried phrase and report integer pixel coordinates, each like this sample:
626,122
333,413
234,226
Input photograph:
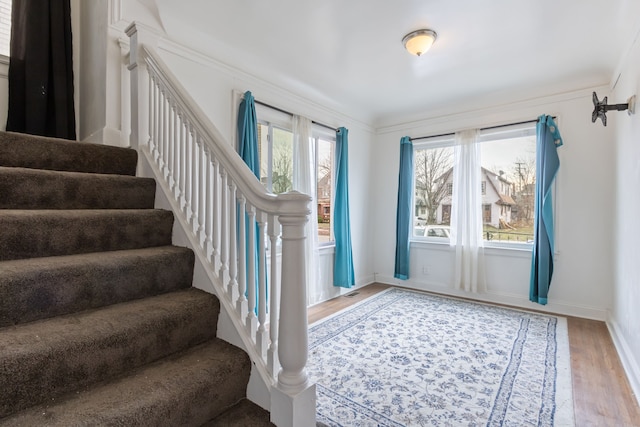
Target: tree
524,171
432,168
282,172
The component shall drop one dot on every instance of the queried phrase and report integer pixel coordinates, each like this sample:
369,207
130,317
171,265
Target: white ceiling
348,55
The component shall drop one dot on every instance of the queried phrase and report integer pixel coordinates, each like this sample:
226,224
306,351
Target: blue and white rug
403,358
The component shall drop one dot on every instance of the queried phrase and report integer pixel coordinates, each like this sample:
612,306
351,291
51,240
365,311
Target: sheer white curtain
466,213
304,180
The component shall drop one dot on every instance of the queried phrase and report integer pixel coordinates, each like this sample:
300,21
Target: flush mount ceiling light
419,41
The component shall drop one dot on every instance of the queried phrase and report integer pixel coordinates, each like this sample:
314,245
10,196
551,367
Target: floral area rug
403,358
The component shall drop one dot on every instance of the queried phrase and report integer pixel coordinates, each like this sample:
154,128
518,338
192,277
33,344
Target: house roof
505,200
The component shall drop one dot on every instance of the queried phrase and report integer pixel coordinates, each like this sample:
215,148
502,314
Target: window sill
511,249
327,248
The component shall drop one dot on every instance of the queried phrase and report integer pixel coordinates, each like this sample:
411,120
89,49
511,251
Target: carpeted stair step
45,359
22,188
39,288
37,152
42,233
185,389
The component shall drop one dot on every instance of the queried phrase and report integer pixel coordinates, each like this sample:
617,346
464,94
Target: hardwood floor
602,396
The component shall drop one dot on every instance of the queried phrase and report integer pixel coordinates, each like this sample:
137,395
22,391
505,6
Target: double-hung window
325,143
277,158
507,188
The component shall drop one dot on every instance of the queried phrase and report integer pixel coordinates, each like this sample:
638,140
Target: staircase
99,324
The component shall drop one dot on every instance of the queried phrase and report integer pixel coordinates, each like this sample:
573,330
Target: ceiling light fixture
419,41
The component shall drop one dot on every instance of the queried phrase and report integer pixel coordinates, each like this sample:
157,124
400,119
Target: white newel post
139,90
293,400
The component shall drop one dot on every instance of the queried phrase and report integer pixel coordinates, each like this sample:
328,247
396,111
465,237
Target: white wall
624,322
584,219
92,68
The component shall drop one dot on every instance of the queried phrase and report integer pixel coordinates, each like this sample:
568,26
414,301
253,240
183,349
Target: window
508,172
275,146
5,26
508,157
433,186
276,151
325,149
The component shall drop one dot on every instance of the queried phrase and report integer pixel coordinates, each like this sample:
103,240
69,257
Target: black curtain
41,69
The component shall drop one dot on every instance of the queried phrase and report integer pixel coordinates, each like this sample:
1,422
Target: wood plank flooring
602,396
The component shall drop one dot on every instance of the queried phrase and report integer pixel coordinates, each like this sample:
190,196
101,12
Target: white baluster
208,220
152,118
166,120
172,147
274,297
165,139
177,166
202,185
156,120
232,287
215,252
188,175
161,133
251,276
223,227
262,336
241,303
195,202
183,165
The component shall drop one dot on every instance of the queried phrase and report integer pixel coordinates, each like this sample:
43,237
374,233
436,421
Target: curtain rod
264,104
487,128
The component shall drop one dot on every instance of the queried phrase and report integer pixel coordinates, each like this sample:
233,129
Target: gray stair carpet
99,322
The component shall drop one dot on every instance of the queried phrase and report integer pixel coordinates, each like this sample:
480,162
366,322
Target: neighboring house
324,198
497,200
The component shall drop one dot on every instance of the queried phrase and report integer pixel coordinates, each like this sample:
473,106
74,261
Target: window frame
273,118
507,131
321,133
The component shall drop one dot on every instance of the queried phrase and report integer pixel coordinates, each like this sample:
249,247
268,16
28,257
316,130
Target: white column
294,398
139,89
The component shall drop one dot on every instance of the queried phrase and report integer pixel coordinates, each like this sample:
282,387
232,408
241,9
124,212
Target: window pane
263,153
282,163
5,26
325,188
433,169
509,170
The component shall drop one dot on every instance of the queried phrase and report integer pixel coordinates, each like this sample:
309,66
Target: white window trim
277,119
448,140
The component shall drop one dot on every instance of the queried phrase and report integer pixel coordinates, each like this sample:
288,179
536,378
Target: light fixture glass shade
418,42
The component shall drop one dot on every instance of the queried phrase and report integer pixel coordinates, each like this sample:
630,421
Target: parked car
442,231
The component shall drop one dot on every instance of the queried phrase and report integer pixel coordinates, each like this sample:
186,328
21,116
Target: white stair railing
222,201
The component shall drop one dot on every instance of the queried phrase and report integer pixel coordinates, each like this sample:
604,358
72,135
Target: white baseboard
627,358
105,136
560,308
